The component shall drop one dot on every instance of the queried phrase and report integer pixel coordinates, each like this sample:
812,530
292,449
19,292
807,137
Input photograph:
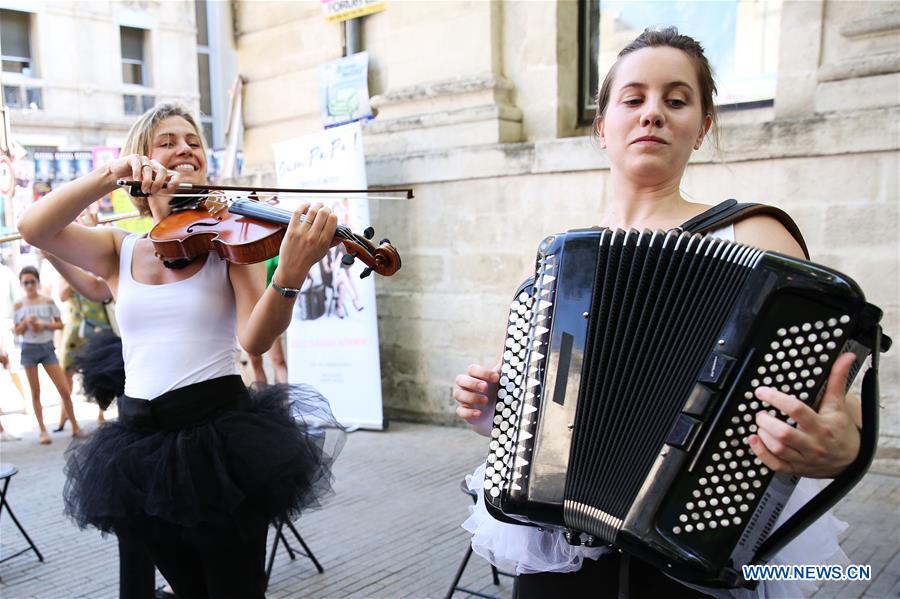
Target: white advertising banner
332,341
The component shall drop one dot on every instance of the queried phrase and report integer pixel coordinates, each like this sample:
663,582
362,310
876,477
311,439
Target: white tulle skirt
528,550
520,549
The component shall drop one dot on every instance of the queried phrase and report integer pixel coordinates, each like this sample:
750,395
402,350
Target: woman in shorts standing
36,317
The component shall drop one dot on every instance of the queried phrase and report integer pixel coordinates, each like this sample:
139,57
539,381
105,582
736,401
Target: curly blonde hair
140,136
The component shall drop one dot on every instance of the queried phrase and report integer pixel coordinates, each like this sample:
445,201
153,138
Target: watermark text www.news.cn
807,572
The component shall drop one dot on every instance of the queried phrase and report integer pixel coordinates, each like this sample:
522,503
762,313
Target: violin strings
342,230
300,194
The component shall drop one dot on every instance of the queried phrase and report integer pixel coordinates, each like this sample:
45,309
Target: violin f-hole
190,229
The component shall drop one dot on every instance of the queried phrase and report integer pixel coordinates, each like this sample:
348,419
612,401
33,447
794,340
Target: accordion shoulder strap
730,211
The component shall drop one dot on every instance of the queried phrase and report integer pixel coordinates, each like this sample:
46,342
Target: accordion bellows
627,391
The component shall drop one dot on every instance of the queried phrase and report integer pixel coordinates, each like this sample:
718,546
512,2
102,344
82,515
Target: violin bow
135,190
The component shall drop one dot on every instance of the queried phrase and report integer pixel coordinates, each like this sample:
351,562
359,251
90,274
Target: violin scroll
383,260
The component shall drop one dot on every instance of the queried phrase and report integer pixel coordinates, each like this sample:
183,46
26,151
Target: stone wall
467,241
482,126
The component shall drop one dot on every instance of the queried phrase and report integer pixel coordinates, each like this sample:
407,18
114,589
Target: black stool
495,573
292,551
7,471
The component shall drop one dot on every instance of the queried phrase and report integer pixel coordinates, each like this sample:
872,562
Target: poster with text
332,341
344,90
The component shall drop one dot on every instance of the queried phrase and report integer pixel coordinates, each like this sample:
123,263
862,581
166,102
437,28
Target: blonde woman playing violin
196,467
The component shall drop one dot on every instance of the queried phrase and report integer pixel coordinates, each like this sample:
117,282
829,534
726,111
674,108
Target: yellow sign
342,10
121,203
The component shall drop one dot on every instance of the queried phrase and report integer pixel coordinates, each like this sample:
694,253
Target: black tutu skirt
196,455
99,361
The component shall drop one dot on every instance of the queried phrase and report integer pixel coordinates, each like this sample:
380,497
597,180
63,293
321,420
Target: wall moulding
863,66
444,114
822,135
459,85
884,22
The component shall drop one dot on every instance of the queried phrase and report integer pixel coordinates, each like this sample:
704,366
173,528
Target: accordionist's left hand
823,443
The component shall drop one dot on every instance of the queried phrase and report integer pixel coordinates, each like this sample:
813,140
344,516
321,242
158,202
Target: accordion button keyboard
683,432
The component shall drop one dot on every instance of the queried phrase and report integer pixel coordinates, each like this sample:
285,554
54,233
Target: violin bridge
215,205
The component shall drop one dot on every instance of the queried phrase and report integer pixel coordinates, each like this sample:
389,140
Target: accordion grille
659,301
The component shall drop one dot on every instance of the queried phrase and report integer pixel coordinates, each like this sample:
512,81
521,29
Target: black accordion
627,394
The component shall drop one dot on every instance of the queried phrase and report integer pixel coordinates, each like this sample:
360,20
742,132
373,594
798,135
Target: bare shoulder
47,300
110,235
18,305
768,233
117,236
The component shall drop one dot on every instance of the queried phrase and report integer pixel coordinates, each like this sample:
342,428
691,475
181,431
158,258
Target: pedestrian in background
87,296
36,317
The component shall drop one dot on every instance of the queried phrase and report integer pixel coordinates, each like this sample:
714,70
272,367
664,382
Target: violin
247,230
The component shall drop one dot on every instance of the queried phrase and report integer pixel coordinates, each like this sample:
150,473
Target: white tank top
175,334
726,232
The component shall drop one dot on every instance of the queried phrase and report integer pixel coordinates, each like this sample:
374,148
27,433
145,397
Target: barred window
133,104
134,70
34,98
12,96
204,72
15,41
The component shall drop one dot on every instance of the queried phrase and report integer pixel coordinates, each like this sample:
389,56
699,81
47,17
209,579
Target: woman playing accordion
655,107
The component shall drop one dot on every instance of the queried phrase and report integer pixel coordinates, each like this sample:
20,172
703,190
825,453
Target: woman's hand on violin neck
306,241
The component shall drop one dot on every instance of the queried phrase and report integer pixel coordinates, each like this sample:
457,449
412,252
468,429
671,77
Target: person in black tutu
196,467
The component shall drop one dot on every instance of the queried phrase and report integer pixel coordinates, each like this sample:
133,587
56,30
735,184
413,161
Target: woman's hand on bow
823,443
136,167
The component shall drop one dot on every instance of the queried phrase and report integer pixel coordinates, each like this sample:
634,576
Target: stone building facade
77,74
76,63
476,109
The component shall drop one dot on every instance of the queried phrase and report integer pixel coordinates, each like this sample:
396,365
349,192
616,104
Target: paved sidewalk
392,530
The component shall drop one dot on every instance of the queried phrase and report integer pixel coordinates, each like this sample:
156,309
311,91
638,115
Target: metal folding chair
495,573
292,551
7,471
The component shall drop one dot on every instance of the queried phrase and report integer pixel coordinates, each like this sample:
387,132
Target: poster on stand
344,90
332,341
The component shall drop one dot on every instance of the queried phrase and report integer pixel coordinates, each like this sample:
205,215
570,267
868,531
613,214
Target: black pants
198,563
609,577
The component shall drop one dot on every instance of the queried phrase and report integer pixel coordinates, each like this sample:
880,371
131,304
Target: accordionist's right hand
476,394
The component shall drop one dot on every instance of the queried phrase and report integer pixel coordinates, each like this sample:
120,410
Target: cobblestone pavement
392,529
